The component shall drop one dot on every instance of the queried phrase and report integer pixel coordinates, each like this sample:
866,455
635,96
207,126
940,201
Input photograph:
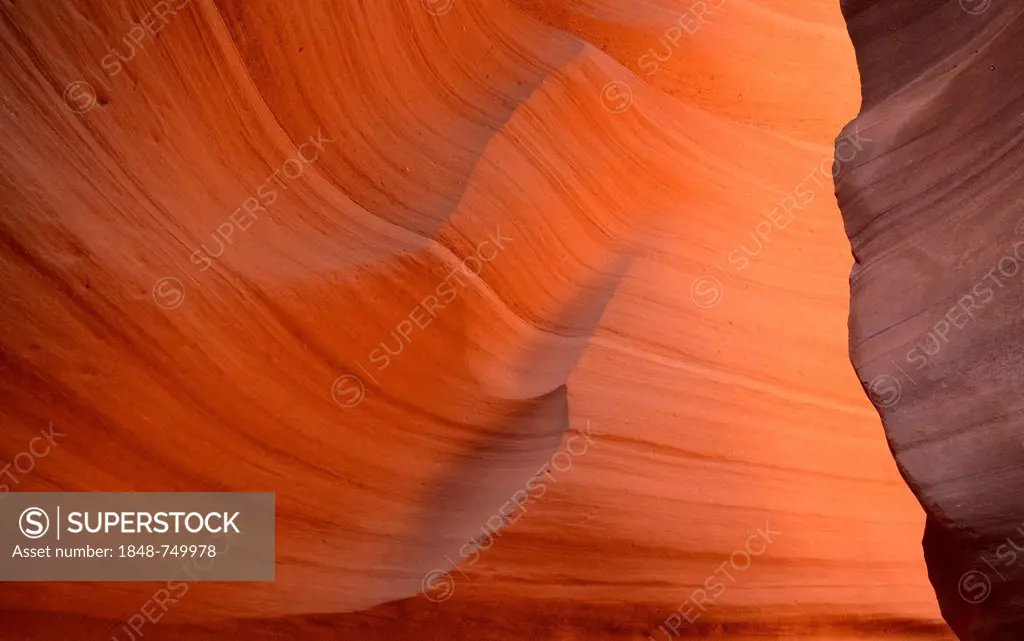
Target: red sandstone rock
196,313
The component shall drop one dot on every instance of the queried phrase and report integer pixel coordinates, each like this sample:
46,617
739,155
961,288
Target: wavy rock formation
933,213
551,291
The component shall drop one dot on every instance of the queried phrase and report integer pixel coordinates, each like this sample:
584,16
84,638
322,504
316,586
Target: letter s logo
34,523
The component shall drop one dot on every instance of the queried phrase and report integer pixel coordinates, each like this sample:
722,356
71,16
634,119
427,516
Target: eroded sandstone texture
229,260
934,214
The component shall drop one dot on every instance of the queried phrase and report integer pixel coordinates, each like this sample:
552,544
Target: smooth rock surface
673,283
934,213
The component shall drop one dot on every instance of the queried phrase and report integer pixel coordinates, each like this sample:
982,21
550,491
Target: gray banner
137,536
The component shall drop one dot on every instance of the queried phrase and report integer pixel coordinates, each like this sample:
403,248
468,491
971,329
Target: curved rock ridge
529,335
935,220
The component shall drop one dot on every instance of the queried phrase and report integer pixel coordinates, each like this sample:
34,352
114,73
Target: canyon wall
555,293
933,212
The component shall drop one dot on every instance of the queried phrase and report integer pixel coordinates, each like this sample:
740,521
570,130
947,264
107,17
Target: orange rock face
552,292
